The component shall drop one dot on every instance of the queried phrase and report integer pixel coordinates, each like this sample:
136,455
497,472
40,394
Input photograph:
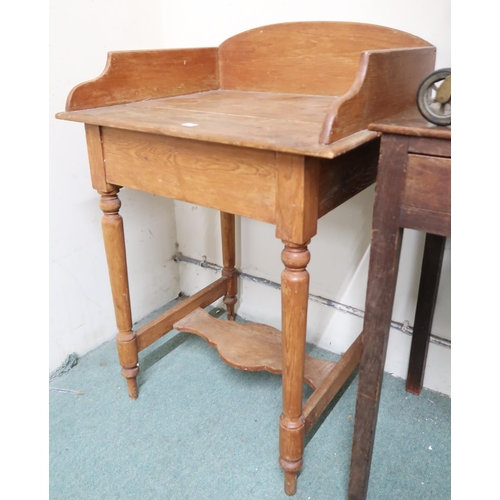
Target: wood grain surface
386,83
147,74
235,180
276,122
292,87
249,346
316,58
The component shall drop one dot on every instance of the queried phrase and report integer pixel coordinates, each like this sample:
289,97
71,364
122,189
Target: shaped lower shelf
249,346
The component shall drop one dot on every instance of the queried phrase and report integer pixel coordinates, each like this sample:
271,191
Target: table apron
232,179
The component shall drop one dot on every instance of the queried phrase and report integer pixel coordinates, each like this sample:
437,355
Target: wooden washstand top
236,128
308,88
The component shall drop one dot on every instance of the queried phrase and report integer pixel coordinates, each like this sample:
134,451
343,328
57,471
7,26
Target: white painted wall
81,308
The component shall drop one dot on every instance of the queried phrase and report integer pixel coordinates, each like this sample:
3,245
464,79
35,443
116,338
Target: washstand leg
114,243
229,261
426,303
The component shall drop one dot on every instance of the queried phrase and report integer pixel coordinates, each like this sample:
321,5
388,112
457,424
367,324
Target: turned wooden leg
229,261
294,296
114,242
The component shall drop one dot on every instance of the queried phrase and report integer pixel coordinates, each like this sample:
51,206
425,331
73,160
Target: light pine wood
342,71
347,175
384,259
430,147
131,76
331,384
317,58
196,172
114,243
228,231
96,159
412,192
274,122
297,198
272,125
249,346
378,91
294,296
428,183
164,323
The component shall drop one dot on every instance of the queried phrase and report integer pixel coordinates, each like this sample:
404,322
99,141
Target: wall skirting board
404,327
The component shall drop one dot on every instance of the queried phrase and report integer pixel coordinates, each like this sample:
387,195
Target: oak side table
413,190
271,125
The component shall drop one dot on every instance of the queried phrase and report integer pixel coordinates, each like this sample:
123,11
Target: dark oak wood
272,125
290,57
413,191
426,303
164,323
294,296
429,146
425,220
96,159
428,183
194,171
297,186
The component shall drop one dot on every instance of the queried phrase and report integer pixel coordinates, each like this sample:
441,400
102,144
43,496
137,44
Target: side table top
411,122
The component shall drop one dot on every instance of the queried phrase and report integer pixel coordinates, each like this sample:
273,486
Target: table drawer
428,183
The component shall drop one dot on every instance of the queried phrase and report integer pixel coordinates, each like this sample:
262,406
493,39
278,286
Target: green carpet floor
202,430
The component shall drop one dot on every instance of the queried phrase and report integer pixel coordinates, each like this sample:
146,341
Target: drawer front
428,183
